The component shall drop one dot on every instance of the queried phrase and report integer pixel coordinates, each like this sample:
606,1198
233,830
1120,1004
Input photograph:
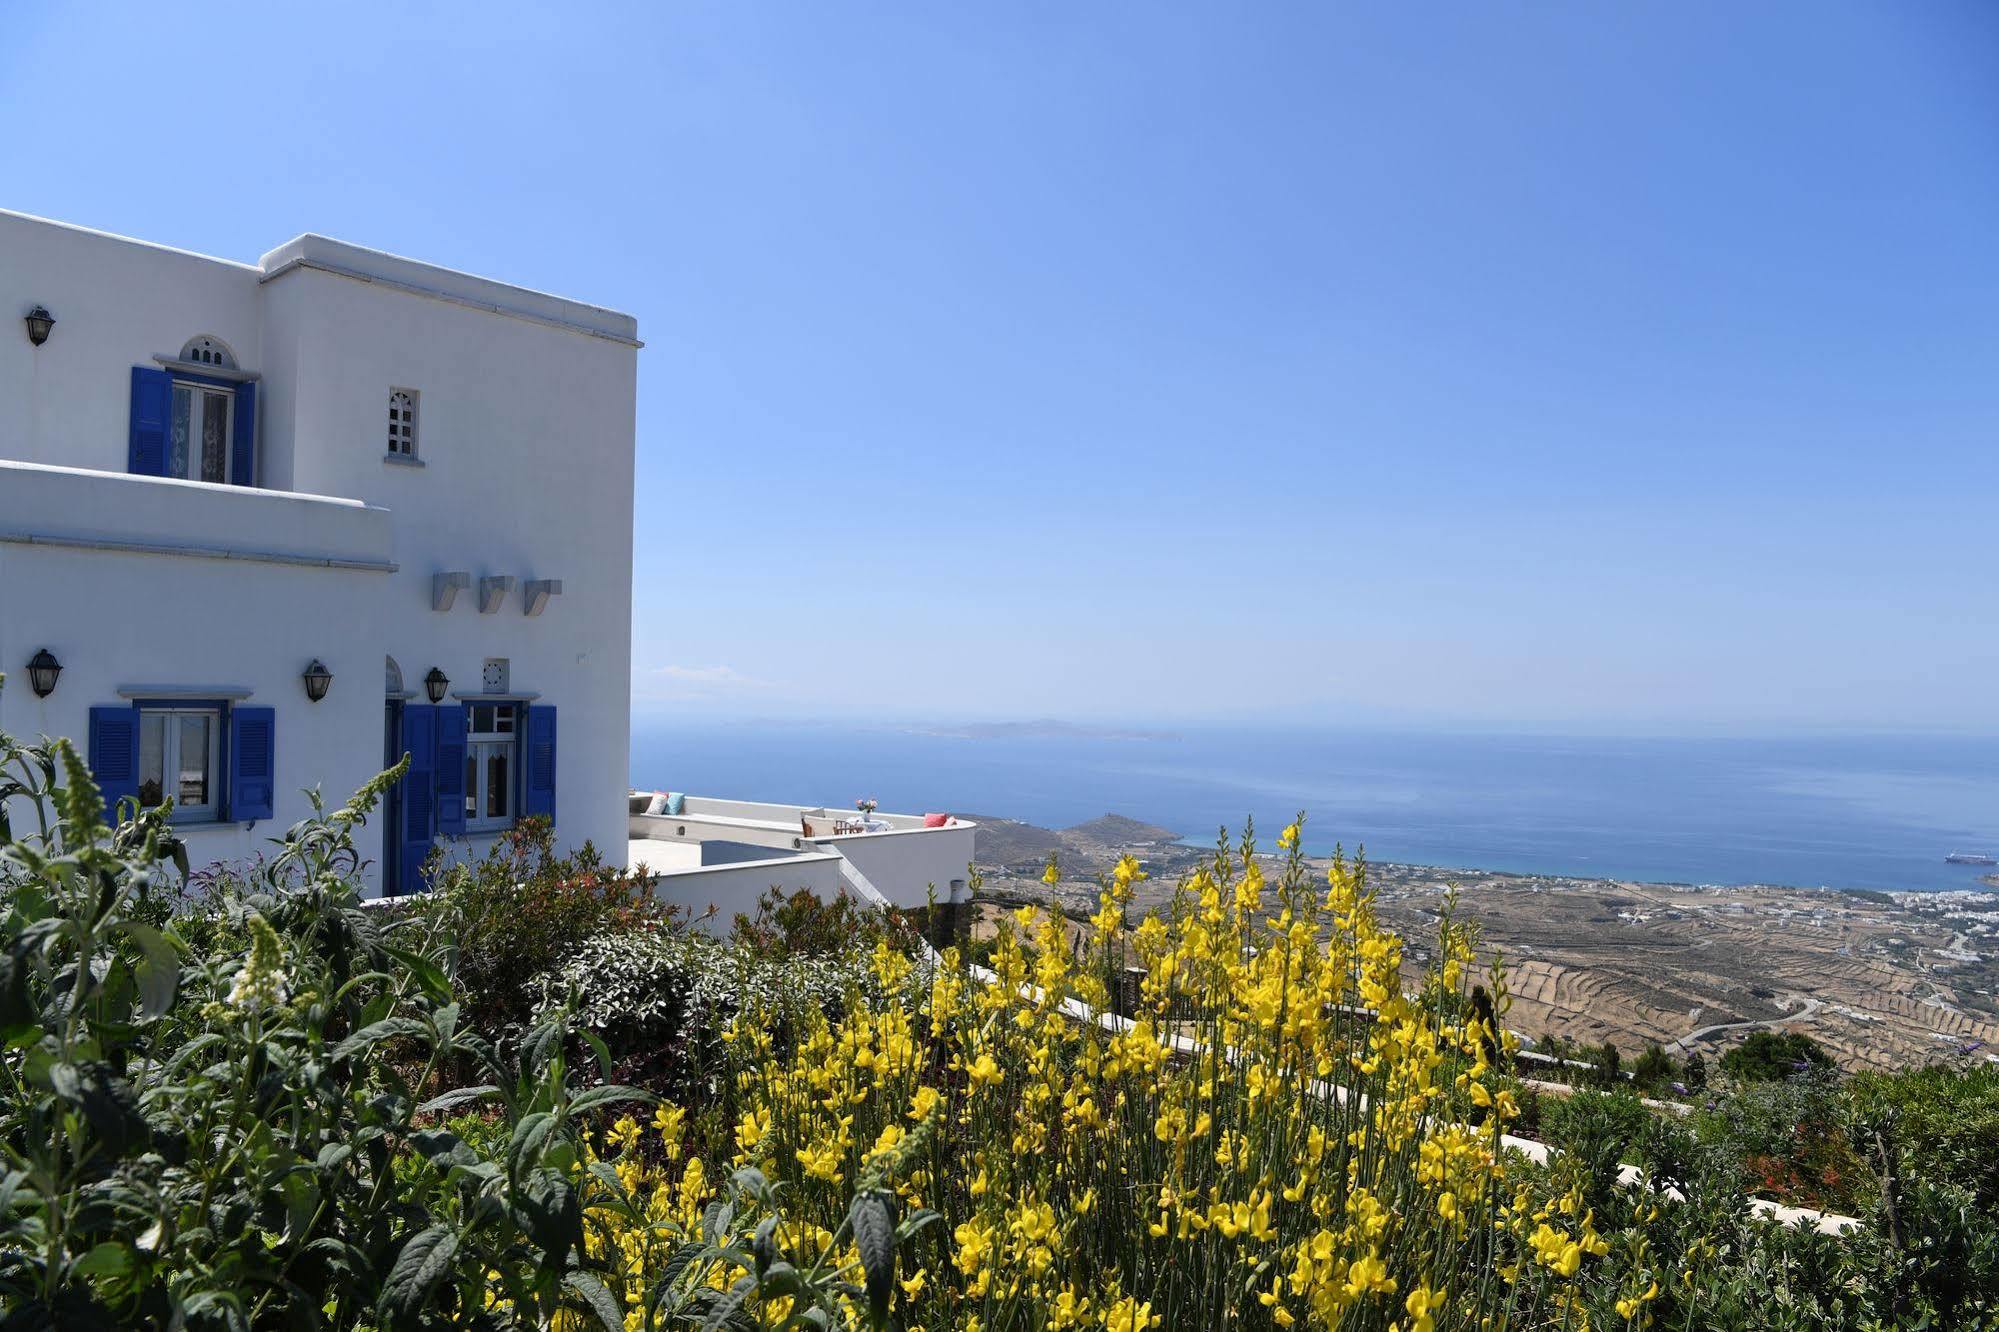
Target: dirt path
1808,1006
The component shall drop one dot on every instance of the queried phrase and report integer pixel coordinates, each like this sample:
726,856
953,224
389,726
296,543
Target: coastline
1882,979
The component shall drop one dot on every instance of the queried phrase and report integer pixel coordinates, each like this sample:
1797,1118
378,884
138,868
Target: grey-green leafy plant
234,1132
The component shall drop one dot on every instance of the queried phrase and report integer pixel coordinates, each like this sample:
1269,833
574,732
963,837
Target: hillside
1881,980
1116,830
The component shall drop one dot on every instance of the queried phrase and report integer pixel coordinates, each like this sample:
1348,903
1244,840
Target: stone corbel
445,587
537,592
493,591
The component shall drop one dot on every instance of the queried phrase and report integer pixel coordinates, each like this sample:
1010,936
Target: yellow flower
1128,1315
1420,1303
751,1129
671,1122
984,1072
1052,875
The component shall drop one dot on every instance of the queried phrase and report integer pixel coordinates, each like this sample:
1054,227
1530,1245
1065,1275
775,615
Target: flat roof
358,261
312,250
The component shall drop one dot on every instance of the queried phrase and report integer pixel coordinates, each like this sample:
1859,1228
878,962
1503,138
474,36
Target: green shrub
221,1136
1945,1122
1599,1131
1769,1056
522,910
1653,1069
802,924
1791,1140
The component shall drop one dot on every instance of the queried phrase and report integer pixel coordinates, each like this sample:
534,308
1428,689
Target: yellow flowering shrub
1280,1135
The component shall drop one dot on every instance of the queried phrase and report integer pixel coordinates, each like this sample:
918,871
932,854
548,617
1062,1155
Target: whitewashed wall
117,304
117,620
903,865
527,445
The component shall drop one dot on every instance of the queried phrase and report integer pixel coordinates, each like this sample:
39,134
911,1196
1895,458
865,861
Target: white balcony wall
903,865
67,505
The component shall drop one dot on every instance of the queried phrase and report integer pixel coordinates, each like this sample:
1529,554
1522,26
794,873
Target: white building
215,474
219,480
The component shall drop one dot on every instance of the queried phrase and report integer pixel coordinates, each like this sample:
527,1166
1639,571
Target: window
402,423
180,752
490,746
214,758
199,432
205,350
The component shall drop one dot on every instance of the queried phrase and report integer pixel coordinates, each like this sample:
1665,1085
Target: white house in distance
271,526
215,475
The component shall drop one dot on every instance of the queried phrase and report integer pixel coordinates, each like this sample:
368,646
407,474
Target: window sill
207,825
398,460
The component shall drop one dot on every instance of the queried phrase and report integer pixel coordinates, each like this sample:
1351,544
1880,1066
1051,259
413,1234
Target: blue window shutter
243,438
253,762
538,767
417,794
114,753
451,770
152,395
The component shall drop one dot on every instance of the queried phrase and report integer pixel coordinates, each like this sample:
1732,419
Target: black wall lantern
43,668
39,322
317,680
435,684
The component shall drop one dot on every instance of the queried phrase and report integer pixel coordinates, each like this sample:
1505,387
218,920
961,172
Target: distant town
1881,980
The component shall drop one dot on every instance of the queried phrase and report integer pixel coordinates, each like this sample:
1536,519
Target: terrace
726,854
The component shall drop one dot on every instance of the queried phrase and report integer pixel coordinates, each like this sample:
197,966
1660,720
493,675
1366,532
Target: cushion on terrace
935,820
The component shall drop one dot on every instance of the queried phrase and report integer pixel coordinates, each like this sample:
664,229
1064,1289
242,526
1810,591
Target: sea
1868,811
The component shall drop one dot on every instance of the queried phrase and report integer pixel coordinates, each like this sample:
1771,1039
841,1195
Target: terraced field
1881,980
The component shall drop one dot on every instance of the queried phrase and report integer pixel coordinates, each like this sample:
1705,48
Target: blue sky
1609,366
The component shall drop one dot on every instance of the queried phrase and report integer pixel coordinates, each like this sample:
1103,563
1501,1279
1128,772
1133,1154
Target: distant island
1044,729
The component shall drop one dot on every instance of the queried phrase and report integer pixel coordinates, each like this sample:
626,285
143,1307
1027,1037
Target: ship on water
1968,858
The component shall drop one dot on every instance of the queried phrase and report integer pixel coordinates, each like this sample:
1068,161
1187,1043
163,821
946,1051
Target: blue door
391,813
417,824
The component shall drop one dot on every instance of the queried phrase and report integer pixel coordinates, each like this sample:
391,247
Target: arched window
394,682
205,350
402,423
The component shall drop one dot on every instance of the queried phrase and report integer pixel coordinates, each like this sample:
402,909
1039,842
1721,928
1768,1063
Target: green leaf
549,1210
725,1308
914,1222
608,1094
765,1244
456,1097
874,1237
107,1101
781,1280
418,1269
597,1298
602,1051
524,1148
444,1148
375,1033
158,971
109,1259
428,973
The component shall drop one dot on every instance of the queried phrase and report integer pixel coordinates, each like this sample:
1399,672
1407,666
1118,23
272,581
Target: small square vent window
402,423
496,675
